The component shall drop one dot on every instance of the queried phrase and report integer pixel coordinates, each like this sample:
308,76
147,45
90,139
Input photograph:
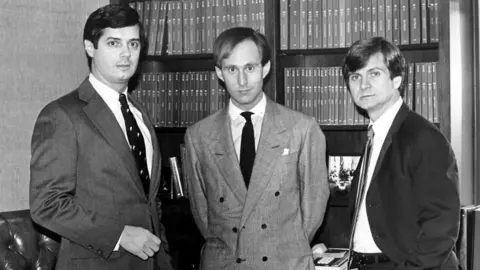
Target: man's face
115,59
371,87
243,74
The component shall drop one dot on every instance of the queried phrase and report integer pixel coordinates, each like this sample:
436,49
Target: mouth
123,66
366,96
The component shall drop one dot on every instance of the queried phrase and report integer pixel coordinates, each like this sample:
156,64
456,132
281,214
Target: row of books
179,99
322,93
314,24
190,27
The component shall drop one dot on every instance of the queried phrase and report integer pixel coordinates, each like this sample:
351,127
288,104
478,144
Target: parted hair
228,39
111,16
362,50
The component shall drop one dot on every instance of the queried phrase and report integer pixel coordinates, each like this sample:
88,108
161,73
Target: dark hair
111,16
230,38
361,51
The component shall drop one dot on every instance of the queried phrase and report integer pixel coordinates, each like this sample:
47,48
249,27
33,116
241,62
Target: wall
42,58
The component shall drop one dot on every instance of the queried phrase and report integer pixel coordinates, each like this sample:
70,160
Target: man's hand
139,241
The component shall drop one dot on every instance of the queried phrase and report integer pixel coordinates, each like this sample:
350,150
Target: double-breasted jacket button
264,226
238,260
90,247
264,258
277,193
222,199
234,229
99,252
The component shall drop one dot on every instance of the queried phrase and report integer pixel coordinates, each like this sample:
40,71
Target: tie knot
247,116
123,100
370,133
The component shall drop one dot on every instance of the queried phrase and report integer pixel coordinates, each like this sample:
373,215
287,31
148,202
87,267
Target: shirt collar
384,122
108,94
258,111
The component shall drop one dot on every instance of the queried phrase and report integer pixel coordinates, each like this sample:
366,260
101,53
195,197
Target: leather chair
24,245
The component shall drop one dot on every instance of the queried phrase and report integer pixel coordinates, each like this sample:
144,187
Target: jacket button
99,252
222,199
238,260
90,247
264,226
264,258
235,229
277,194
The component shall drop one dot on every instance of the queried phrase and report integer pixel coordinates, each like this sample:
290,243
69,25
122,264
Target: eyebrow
370,69
247,64
117,38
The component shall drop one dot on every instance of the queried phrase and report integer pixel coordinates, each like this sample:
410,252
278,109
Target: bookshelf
436,43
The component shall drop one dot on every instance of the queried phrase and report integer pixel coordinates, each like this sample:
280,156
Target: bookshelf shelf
179,57
171,129
344,127
343,51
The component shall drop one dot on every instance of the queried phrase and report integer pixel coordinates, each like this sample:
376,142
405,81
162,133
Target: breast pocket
288,165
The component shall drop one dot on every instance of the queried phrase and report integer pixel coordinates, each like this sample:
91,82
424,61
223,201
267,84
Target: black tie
362,180
247,148
137,144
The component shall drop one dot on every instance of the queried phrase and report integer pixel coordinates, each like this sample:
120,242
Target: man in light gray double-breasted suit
266,220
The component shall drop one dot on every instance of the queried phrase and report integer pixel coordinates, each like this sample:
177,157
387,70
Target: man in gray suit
256,169
95,165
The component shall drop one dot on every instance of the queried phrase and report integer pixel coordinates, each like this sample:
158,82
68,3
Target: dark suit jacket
413,204
270,225
85,186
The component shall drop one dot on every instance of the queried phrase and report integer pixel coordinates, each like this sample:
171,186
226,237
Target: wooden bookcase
341,139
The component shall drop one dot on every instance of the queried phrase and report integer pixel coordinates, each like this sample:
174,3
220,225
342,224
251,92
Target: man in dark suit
257,172
95,164
405,200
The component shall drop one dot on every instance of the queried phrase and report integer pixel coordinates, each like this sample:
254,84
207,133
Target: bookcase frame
341,139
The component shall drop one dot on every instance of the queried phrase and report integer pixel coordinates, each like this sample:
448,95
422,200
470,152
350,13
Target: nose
365,83
242,78
125,51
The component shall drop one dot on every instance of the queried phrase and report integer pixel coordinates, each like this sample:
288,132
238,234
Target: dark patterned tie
137,144
362,180
247,148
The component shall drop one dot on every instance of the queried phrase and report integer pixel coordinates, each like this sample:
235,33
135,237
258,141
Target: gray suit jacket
85,186
271,225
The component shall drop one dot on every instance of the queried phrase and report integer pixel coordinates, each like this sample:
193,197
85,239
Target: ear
89,48
219,73
397,81
266,69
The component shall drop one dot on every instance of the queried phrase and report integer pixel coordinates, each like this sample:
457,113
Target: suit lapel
397,122
156,159
106,123
223,152
268,151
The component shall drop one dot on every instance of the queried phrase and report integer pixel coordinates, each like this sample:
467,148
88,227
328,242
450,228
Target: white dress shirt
362,239
111,97
237,122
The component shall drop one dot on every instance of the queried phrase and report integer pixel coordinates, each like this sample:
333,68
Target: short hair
362,50
111,16
228,39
